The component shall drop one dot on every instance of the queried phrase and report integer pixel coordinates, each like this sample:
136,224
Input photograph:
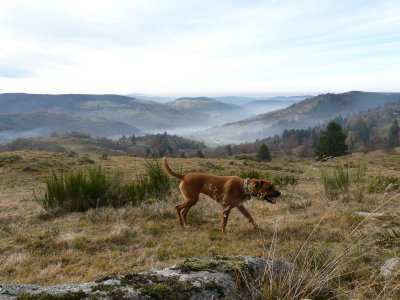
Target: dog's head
264,190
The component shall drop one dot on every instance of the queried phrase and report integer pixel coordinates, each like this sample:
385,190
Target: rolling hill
306,113
148,116
209,107
42,123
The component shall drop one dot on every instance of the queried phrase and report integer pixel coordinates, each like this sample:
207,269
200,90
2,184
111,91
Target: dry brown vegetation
54,247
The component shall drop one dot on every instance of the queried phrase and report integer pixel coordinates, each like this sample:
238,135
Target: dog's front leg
247,215
225,215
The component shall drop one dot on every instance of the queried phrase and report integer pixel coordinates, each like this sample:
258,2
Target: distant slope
151,98
44,123
242,100
146,115
209,107
158,145
21,102
309,112
271,104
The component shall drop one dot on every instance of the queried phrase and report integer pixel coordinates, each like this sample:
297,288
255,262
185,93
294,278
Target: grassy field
305,226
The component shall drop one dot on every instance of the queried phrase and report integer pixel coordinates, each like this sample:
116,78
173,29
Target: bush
251,173
284,180
153,183
380,183
335,181
81,190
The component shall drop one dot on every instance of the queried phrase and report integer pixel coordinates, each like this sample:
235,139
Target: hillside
209,107
305,227
139,113
307,113
147,116
271,104
157,145
42,123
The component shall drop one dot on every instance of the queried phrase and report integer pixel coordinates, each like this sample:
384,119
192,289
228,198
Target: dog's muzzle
272,199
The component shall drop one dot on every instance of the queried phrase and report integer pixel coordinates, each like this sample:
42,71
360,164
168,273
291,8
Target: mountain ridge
309,112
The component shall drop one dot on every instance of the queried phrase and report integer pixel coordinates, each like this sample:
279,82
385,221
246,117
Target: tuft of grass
380,183
336,181
81,190
358,177
251,173
284,180
153,183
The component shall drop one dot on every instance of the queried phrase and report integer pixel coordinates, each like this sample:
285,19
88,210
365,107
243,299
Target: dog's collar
245,188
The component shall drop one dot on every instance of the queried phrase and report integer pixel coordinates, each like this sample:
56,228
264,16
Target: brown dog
229,191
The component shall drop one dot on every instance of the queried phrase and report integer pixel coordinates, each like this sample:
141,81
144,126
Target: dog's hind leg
189,201
178,209
247,215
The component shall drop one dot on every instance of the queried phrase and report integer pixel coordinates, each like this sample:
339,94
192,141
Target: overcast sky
203,47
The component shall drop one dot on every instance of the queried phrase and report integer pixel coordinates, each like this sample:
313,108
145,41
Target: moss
68,296
159,287
104,287
113,291
159,291
211,285
224,264
104,278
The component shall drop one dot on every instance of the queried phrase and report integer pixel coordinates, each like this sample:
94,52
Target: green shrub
284,180
80,190
358,177
154,182
251,173
380,183
335,181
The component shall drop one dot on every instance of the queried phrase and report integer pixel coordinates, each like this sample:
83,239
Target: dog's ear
258,184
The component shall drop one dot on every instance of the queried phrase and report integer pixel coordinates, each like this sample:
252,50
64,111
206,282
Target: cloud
199,47
9,72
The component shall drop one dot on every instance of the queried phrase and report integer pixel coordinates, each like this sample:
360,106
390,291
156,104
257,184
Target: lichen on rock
222,277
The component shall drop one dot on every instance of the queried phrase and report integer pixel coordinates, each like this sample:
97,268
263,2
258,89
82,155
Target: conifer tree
263,153
133,139
199,154
393,138
331,141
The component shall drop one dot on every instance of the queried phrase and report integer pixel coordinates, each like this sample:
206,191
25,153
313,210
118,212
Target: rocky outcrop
391,268
223,277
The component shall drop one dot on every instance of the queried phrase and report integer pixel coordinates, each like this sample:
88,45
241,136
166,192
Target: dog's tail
169,171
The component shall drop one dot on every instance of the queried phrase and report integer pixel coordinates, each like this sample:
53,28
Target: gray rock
242,163
391,268
59,163
368,214
86,160
210,165
215,278
231,162
31,167
10,158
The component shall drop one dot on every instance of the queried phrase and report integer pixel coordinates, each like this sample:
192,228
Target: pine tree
263,153
199,154
393,138
331,141
133,139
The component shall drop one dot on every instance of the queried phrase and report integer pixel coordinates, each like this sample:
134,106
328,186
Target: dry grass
45,248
